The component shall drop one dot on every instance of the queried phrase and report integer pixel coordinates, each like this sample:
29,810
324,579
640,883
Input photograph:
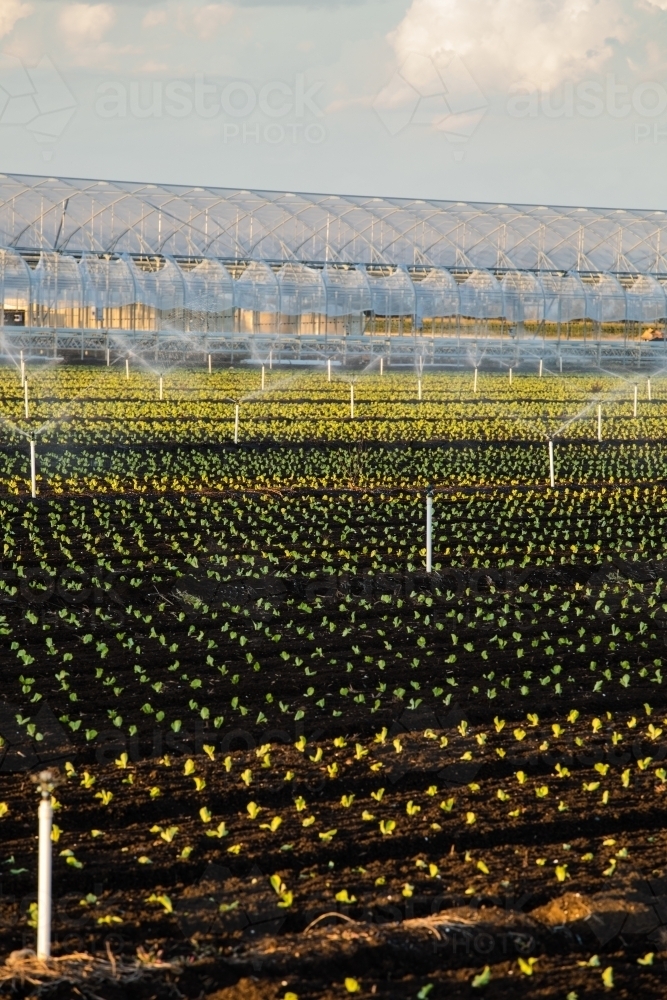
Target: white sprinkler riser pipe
328,369
540,367
209,364
648,389
160,387
429,533
552,474
270,360
262,376
33,471
634,405
510,376
352,401
381,366
44,879
560,364
22,370
474,386
236,424
127,367
108,357
419,388
25,399
599,421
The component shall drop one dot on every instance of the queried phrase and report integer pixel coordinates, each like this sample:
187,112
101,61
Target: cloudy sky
539,101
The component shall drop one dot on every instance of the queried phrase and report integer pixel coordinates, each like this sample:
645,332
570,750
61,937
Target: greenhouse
93,265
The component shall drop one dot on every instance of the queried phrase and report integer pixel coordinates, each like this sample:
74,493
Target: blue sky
540,101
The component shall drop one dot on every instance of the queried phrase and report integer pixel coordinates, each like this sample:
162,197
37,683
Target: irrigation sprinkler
552,474
25,399
127,368
634,405
540,367
474,384
599,421
33,469
328,369
381,366
271,360
210,364
236,424
560,363
108,357
161,388
419,389
22,369
352,400
429,529
510,376
262,376
648,389
45,820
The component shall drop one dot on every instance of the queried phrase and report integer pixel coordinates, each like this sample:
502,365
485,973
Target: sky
560,102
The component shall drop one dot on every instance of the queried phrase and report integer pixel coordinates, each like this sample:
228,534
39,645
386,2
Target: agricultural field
291,762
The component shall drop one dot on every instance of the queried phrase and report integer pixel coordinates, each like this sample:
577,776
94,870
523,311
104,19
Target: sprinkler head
46,781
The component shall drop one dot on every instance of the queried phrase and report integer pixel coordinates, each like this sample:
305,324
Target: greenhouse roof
50,213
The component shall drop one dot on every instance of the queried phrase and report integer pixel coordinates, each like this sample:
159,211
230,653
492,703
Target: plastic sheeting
206,296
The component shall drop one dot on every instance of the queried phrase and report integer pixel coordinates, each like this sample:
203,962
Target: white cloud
12,11
209,18
542,41
154,17
86,24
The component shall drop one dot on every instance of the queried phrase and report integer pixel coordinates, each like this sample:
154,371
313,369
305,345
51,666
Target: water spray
25,399
599,421
352,400
634,405
552,474
474,384
33,468
236,424
429,529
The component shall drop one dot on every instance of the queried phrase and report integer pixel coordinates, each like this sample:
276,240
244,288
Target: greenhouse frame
92,266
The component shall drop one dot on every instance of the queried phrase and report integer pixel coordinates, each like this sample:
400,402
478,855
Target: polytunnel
523,299
81,259
393,300
109,292
437,298
302,299
481,295
257,298
645,299
15,288
209,297
348,298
